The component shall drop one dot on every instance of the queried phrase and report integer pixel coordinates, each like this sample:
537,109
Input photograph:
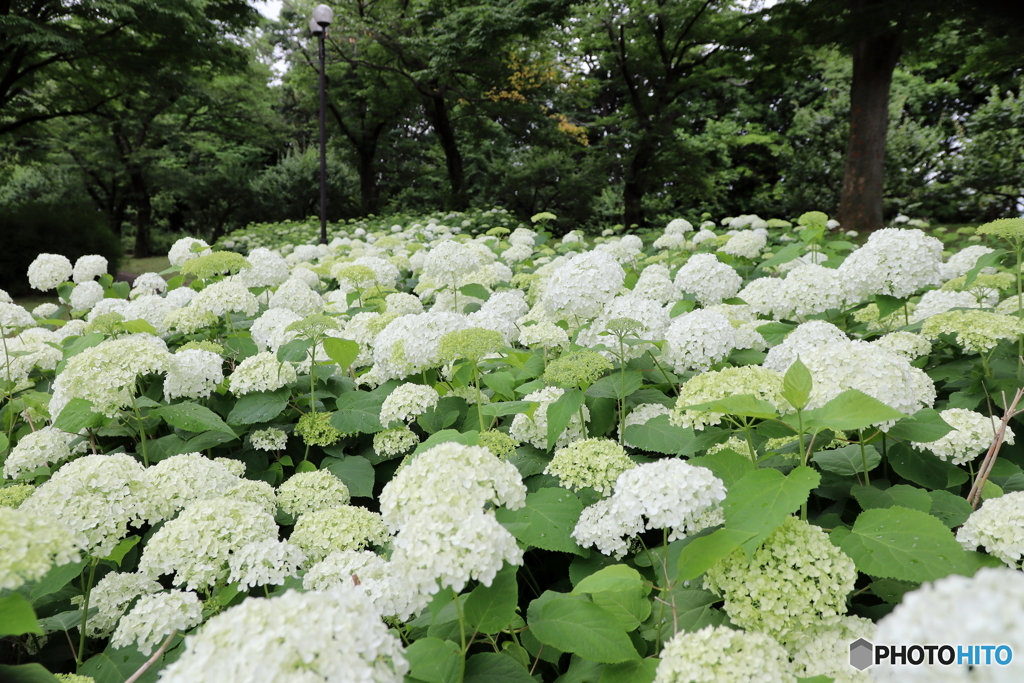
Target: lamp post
322,16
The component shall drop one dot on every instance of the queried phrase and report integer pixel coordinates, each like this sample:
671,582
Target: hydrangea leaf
984,261
745,405
761,501
27,673
951,509
850,411
546,521
775,333
615,386
848,460
489,609
888,304
492,667
640,671
355,470
726,464
341,351
797,384
433,660
900,495
261,406
784,255
630,607
900,543
294,351
358,412
560,413
699,555
659,436
193,417
502,383
78,415
924,426
471,438
17,616
55,579
585,629
924,469
616,577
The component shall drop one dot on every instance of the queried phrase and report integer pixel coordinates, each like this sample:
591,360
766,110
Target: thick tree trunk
874,59
368,191
437,113
634,184
143,215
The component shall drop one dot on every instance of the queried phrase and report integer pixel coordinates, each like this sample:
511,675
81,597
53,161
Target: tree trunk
437,113
143,214
874,59
634,184
368,191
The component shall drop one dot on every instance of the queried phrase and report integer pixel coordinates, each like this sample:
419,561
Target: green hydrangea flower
316,430
217,263
472,344
500,444
593,463
1008,228
577,369
13,496
976,331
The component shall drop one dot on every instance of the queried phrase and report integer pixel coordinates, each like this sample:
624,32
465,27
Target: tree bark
143,214
874,59
437,113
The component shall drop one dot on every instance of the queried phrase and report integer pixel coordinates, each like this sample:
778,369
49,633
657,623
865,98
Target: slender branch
974,497
152,660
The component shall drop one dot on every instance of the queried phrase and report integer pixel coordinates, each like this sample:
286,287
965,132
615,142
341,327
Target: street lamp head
322,15
315,28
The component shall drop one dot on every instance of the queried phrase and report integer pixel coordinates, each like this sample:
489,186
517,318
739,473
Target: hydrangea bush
456,448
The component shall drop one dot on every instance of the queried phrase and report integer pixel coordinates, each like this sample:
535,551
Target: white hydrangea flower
939,301
894,262
13,316
448,261
236,467
41,448
182,296
48,271
764,295
453,477
517,253
111,596
33,542
703,235
409,344
370,574
957,610
266,562
193,373
270,330
908,344
972,434
808,290
698,340
188,320
306,492
182,479
106,306
719,653
805,338
88,268
824,650
976,331
155,617
45,311
534,430
261,372
226,296
583,285
342,527
652,316
796,579
97,496
196,545
708,279
147,284
267,269
152,308
406,402
963,261
500,313
546,334
296,296
186,249
333,635
670,493
400,303
745,243
390,443
594,463
667,241
86,295
607,527
656,283
5,298
625,249
998,527
259,493
269,439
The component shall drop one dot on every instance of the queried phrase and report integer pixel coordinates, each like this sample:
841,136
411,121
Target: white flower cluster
111,597
156,616
745,243
534,430
296,296
186,249
894,262
980,610
406,402
48,271
13,316
270,330
544,334
265,562
669,493
267,269
939,301
655,283
972,434
708,279
88,268
148,284
44,447
583,285
698,340
193,373
32,543
809,289
306,492
908,344
652,318
796,579
86,295
963,261
181,479
449,261
333,635
998,527
718,653
805,338
762,383
269,439
824,650
410,344
342,527
390,443
261,372
594,463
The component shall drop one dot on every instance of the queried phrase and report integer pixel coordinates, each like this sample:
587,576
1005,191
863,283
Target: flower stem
85,614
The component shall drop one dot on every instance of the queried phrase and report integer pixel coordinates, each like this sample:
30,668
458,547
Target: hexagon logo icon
861,654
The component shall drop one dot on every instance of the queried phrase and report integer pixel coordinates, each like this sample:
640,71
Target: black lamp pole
322,17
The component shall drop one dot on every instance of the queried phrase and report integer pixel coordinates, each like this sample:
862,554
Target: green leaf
900,543
17,616
744,405
475,290
355,470
924,469
700,554
888,304
797,384
560,413
115,666
761,501
122,548
433,660
193,417
900,495
342,351
358,412
951,509
504,408
775,333
850,411
489,609
924,426
612,385
55,579
640,671
65,621
78,415
26,673
529,460
307,466
784,255
262,406
616,577
294,351
659,436
546,521
491,667
138,326
502,383
629,607
984,261
847,461
471,438
680,307
726,464
583,628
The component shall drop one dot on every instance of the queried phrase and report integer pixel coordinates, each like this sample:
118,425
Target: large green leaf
924,426
26,673
612,385
355,470
727,465
900,543
659,436
78,415
433,660
951,509
629,607
17,616
115,666
193,417
888,304
470,438
503,408
848,460
744,405
582,627
616,577
924,469
502,383
489,609
55,579
560,413
546,521
358,412
761,501
491,667
900,495
797,384
775,333
702,553
262,406
341,351
850,411
984,261
640,671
